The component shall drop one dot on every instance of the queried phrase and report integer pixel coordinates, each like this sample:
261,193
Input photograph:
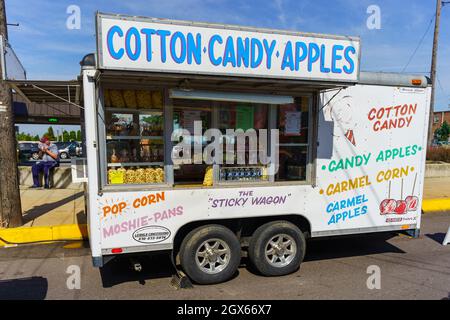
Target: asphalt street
333,269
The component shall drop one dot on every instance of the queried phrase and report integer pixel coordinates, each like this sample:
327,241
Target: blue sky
49,50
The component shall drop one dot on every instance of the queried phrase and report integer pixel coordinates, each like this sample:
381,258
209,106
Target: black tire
259,242
64,156
195,241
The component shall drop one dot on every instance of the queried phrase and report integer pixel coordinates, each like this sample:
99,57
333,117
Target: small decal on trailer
151,234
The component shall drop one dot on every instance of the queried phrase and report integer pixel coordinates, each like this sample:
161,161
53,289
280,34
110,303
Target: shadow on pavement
438,237
350,246
34,288
81,217
119,269
38,211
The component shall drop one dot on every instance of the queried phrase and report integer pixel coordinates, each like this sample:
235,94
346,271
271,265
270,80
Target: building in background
439,118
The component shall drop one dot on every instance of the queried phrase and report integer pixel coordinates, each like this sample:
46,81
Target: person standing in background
48,153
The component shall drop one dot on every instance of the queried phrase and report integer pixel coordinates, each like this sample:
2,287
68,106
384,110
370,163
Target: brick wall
439,118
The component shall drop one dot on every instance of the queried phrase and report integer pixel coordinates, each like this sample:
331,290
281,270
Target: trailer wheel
277,248
210,254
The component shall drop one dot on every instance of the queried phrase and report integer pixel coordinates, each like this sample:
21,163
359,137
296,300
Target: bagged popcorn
130,99
144,99
157,99
117,98
208,180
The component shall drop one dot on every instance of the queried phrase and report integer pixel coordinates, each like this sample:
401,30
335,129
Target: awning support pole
16,88
332,98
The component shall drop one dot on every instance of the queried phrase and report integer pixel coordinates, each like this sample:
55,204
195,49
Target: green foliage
443,132
73,135
50,134
22,136
79,138
65,136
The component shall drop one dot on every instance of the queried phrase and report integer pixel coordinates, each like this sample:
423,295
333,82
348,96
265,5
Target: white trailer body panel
361,162
378,135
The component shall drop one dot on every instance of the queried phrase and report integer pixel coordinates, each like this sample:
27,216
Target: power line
440,84
420,43
447,95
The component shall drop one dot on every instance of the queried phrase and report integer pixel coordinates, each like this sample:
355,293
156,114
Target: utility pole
10,206
433,70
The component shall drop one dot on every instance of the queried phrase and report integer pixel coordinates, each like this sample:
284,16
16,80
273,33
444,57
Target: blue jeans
45,166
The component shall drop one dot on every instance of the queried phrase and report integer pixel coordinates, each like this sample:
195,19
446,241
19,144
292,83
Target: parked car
28,151
62,148
70,149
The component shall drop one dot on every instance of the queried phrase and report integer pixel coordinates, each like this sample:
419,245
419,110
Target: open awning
45,91
124,79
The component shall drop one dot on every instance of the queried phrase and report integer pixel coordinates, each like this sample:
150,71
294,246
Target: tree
22,136
73,135
79,138
50,134
443,132
66,136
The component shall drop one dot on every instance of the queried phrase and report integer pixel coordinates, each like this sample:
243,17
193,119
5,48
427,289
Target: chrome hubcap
280,250
213,256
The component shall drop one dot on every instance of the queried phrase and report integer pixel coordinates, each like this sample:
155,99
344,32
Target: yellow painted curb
434,205
42,234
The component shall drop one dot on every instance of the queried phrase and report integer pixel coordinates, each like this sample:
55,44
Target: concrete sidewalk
50,207
436,188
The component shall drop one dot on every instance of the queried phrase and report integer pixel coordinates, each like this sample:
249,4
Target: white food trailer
350,146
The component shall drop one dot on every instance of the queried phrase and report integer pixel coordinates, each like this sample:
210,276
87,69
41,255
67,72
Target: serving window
134,136
144,128
185,114
241,161
293,123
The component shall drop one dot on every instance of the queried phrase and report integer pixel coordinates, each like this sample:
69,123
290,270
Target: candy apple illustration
388,206
401,207
411,203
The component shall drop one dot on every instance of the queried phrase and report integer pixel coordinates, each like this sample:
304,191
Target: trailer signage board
138,44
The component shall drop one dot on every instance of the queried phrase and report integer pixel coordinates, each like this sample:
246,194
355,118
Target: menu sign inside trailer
140,44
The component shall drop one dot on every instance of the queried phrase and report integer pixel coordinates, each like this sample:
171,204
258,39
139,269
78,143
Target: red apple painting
401,207
412,203
391,206
388,206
